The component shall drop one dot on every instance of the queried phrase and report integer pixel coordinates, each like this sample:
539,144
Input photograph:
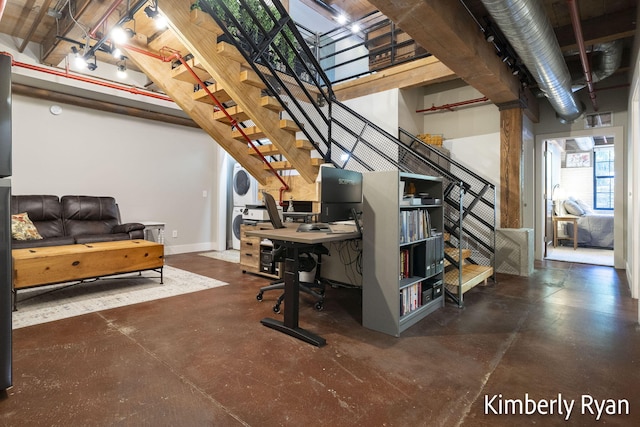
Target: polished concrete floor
568,333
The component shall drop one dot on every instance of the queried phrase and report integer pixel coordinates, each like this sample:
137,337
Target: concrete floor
567,333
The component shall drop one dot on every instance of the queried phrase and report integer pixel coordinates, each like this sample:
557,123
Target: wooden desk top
289,234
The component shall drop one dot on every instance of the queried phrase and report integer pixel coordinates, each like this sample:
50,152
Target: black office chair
306,262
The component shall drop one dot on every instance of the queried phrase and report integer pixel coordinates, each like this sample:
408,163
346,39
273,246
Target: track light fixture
153,13
122,70
79,59
121,35
91,66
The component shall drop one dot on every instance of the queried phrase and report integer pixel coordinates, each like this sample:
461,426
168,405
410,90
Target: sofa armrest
128,227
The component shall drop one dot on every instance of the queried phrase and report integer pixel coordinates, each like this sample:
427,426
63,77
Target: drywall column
511,155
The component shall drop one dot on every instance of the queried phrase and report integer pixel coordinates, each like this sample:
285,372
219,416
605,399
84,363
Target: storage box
427,295
437,290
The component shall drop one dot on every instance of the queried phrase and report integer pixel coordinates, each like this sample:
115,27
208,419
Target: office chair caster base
276,308
259,296
319,306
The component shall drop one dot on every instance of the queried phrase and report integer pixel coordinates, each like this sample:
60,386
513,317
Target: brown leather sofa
73,219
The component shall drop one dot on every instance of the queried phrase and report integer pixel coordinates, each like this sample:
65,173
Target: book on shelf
415,225
410,298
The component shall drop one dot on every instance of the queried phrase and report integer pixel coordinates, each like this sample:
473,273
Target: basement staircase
271,107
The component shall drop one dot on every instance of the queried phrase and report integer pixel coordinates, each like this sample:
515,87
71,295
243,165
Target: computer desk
296,242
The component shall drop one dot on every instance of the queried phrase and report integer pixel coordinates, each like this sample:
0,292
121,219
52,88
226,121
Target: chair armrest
128,227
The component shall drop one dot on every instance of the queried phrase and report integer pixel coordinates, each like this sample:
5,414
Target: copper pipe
102,20
586,68
450,107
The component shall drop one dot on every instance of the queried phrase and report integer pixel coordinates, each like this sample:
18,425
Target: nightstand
574,220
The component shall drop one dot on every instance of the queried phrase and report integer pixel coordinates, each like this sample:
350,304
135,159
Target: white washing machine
236,222
245,187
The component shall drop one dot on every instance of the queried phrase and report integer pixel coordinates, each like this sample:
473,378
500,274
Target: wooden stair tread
204,20
236,112
182,73
265,150
472,275
271,149
250,77
285,165
253,132
271,103
455,253
229,51
216,90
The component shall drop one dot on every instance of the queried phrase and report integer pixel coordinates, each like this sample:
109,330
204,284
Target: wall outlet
175,233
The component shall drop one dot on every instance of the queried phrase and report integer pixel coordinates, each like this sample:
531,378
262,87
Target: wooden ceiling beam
446,30
412,74
605,28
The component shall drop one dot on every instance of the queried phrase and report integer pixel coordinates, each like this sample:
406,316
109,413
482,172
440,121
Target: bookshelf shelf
404,245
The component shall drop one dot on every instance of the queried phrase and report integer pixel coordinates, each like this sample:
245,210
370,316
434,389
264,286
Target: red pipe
450,107
586,68
102,20
102,83
177,55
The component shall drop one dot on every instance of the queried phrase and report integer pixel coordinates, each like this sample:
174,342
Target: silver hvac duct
528,30
608,63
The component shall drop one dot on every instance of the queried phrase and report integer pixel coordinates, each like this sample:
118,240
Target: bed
594,229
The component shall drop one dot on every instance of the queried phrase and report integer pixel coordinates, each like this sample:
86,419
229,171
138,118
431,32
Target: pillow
22,228
585,207
573,208
558,208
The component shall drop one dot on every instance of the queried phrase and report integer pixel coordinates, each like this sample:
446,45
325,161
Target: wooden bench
57,264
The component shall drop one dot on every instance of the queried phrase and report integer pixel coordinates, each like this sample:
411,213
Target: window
603,176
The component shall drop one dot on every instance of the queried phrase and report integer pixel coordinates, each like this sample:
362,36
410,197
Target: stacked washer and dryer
245,192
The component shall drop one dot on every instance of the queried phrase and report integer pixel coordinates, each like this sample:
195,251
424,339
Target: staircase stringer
160,73
226,71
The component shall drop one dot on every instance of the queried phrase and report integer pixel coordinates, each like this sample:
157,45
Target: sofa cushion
44,211
49,241
87,215
95,238
22,228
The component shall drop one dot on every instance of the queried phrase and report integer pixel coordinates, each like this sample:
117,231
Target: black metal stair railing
477,230
270,42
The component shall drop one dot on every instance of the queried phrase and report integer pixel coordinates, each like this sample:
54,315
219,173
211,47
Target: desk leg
555,233
575,234
292,304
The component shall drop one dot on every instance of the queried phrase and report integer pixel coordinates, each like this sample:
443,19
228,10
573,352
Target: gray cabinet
403,250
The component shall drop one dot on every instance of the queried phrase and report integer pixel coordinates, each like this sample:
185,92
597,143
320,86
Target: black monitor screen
340,191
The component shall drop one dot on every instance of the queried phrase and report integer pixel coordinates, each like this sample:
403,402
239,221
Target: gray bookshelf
403,250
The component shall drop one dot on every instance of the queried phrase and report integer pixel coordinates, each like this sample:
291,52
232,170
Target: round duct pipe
528,30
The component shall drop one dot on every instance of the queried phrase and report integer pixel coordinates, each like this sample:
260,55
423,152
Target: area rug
49,303
581,255
230,255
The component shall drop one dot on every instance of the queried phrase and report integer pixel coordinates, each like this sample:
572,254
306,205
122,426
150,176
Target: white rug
230,255
581,255
40,305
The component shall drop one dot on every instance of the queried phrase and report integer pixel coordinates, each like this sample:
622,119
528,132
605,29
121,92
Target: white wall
464,121
380,108
155,171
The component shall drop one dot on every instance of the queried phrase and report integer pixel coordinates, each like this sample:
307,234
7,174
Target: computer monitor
340,192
